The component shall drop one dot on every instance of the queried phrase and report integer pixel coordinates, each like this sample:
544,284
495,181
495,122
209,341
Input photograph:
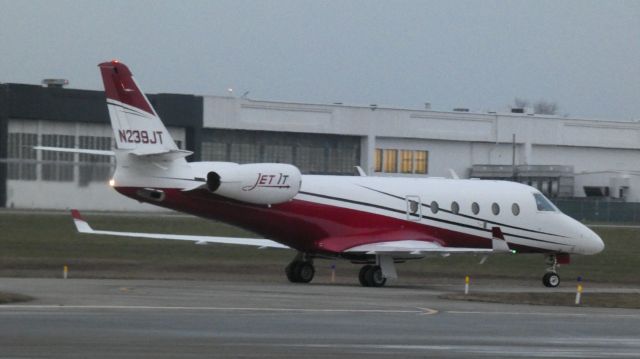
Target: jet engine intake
257,183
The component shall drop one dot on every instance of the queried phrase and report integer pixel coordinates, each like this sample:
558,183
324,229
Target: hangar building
563,157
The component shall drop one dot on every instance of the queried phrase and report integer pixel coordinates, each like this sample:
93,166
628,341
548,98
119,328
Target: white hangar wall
601,152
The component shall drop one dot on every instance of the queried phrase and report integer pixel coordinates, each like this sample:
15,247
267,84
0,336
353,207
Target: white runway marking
488,349
420,311
543,314
613,226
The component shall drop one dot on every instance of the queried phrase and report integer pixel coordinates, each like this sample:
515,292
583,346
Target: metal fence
600,211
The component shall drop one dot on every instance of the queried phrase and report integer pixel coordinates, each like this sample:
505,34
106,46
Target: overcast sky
584,55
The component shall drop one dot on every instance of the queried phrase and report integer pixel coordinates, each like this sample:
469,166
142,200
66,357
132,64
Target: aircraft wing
403,242
413,247
83,227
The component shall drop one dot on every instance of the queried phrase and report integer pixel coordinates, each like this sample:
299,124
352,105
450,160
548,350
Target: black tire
291,272
362,276
305,272
551,280
374,277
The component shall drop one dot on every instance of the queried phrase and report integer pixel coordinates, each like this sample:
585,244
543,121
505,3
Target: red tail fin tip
119,85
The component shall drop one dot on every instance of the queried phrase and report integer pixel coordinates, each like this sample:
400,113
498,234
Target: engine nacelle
257,183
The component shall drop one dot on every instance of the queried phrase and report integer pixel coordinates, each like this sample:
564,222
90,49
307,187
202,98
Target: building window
421,161
244,153
390,161
341,159
214,151
57,166
94,167
406,161
378,160
402,161
278,154
21,156
311,159
311,153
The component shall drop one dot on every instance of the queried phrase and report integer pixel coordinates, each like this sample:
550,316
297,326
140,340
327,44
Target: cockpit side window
543,203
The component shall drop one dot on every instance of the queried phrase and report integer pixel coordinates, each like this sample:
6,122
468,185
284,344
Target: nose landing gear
551,279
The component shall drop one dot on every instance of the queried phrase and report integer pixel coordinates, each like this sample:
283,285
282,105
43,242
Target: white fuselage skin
546,230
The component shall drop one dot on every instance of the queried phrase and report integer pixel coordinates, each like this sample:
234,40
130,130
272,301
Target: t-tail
137,129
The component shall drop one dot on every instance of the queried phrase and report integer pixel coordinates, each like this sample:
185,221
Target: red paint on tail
119,86
76,214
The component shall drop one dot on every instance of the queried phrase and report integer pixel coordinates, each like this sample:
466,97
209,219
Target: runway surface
188,319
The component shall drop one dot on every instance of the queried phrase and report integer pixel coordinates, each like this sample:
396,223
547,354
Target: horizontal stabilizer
85,151
83,227
166,154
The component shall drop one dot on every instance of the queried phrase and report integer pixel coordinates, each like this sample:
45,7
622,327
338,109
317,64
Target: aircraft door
414,208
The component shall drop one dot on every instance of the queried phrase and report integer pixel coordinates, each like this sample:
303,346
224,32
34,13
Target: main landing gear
371,276
301,269
551,279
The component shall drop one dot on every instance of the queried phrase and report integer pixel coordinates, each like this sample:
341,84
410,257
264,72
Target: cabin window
495,208
515,209
413,206
543,204
475,208
455,207
434,207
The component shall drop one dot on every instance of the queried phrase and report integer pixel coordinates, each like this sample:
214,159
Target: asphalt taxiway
77,318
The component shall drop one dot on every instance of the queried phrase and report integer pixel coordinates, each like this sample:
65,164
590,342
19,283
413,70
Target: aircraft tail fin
136,125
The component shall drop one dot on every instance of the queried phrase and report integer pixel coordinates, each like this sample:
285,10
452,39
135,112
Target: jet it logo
269,181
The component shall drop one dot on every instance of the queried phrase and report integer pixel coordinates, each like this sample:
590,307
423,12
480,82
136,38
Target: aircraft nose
592,242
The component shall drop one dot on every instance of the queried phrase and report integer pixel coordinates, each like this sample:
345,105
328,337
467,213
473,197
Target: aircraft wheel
305,272
374,277
551,280
362,276
290,271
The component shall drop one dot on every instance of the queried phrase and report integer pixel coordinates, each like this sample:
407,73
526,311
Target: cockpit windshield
543,203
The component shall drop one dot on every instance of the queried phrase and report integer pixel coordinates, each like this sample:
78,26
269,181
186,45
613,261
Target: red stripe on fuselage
309,226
